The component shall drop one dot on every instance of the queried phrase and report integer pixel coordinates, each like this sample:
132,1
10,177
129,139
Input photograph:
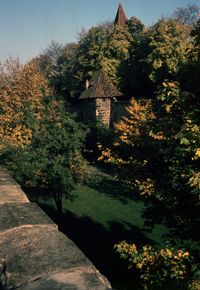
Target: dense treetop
135,58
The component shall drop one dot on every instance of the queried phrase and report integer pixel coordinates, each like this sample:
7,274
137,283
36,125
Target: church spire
120,17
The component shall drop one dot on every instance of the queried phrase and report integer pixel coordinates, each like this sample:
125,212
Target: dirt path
102,170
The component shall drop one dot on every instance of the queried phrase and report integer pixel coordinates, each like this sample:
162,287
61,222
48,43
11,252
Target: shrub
165,268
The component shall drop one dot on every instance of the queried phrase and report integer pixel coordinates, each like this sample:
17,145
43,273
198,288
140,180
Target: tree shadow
97,242
35,194
115,189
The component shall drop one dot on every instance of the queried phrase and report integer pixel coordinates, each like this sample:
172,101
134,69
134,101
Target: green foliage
168,45
135,27
50,64
23,94
67,62
50,157
159,53
135,59
58,63
53,160
193,68
158,150
103,47
163,269
106,47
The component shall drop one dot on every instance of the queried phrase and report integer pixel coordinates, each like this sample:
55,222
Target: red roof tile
100,87
120,17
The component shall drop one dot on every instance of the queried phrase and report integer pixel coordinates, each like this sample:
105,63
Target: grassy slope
100,216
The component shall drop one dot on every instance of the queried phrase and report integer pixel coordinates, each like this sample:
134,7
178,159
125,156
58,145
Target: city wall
33,253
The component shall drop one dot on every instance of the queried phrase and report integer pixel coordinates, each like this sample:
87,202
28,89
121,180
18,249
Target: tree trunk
58,200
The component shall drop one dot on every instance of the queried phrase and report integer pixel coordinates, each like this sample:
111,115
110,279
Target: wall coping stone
33,253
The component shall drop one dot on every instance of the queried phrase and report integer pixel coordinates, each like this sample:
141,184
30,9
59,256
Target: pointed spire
120,17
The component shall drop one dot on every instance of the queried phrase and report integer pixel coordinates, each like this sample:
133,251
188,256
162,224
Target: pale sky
28,26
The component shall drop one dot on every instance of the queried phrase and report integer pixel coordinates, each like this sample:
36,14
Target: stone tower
120,17
98,98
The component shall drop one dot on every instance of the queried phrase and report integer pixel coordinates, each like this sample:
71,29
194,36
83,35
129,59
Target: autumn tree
40,144
23,91
157,150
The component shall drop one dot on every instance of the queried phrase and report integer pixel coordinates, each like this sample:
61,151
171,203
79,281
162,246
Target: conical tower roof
120,17
100,87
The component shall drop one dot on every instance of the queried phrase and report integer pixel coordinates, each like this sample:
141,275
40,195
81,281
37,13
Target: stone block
33,252
13,215
69,281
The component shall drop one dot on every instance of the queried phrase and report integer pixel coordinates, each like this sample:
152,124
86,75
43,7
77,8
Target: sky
28,26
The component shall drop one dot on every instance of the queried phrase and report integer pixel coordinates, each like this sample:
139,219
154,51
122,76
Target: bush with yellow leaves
163,269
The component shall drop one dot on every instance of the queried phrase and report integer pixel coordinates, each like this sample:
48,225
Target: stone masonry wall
103,110
33,253
108,110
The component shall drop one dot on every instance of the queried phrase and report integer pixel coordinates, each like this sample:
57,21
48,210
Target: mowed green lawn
102,214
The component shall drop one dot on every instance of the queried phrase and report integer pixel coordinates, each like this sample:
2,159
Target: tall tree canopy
159,53
40,144
156,149
103,47
106,47
23,94
136,59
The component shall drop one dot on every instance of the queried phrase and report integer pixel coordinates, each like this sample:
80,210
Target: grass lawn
101,215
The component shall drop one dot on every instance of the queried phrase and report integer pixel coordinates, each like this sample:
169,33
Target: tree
22,99
59,64
188,15
191,73
49,63
59,146
54,51
116,57
67,61
157,150
45,149
53,161
103,47
159,53
195,33
135,27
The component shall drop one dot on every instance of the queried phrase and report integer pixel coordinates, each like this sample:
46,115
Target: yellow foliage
159,265
22,90
136,126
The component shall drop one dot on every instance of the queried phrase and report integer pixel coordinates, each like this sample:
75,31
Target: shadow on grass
97,243
35,194
114,189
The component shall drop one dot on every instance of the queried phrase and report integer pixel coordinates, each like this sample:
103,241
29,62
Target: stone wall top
10,190
33,253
